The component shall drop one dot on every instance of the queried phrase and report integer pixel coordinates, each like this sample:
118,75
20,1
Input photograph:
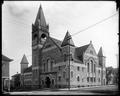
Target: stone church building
58,64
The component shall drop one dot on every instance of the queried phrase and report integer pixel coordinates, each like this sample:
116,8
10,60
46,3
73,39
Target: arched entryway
47,82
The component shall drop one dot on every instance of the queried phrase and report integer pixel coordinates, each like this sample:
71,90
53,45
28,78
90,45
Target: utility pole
39,56
69,61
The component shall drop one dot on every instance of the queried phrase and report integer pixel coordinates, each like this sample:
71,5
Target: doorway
47,82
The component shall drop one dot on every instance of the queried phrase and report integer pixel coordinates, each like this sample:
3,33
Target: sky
74,16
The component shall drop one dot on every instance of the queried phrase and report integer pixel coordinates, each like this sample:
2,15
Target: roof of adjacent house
24,60
16,75
29,69
5,58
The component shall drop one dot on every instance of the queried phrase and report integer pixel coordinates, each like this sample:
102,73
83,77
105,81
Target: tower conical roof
24,60
68,40
100,53
40,19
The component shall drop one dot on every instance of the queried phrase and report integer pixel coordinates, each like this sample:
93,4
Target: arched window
94,68
48,65
43,65
88,66
78,78
51,65
91,62
59,78
65,57
78,68
87,79
42,81
59,68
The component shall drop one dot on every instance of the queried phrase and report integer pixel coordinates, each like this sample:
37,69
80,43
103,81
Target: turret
101,58
67,40
24,63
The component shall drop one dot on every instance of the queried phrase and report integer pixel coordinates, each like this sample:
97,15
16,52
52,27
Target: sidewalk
85,87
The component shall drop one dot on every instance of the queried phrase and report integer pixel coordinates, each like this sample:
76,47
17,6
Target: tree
112,74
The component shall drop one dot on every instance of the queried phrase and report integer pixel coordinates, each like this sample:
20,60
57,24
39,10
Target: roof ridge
83,46
6,58
24,60
67,40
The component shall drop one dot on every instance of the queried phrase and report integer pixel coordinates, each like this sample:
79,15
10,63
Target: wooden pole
69,62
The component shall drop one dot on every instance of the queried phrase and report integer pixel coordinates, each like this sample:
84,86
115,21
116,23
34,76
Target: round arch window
78,78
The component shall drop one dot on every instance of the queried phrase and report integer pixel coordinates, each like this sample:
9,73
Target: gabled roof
24,60
40,19
82,49
29,69
68,40
5,58
58,42
100,53
52,41
79,52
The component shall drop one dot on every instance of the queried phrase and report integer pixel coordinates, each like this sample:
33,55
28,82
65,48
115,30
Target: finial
40,6
67,31
90,41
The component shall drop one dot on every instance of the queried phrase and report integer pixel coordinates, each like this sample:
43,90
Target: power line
94,24
81,30
76,32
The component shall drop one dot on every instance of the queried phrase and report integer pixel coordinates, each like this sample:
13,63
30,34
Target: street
95,90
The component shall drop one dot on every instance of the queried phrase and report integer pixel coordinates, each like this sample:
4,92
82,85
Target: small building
26,73
16,81
5,73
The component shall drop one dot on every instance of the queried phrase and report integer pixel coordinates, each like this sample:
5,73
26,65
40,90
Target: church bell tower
40,32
